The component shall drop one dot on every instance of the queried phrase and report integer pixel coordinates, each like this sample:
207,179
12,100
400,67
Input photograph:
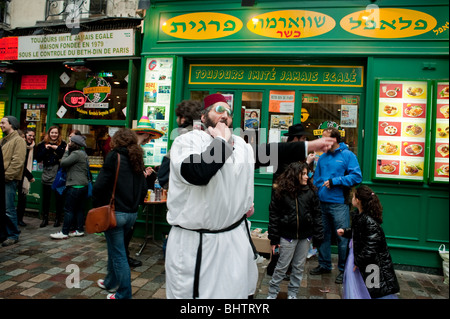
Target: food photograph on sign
390,168
414,110
389,128
413,149
442,170
442,130
411,168
442,112
415,91
416,130
442,150
391,90
388,148
390,109
443,91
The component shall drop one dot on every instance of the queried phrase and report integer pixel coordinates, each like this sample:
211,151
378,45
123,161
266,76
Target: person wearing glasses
209,250
27,178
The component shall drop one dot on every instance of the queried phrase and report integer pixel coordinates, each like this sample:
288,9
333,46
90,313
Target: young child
294,218
369,272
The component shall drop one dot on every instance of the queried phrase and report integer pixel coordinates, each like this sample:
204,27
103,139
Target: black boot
57,222
44,221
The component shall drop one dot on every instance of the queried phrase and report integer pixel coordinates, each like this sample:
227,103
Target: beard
209,122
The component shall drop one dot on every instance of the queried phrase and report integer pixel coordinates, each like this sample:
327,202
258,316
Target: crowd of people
211,173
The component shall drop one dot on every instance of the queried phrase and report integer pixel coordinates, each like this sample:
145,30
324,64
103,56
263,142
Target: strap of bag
117,175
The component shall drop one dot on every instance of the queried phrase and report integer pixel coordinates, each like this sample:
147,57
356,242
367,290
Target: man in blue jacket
336,172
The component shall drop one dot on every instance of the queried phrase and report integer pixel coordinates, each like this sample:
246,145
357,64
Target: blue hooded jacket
342,169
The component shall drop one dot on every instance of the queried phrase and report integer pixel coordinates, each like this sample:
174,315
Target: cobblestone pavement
38,267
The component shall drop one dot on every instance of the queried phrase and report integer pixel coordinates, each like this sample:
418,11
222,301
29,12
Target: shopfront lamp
78,65
247,3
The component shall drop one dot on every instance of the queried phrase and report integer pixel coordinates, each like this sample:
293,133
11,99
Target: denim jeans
295,251
11,213
334,216
118,274
74,209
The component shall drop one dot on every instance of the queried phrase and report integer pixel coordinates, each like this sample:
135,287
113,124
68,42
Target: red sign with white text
33,82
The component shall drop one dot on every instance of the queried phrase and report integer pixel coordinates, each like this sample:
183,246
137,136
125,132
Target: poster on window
251,119
156,105
349,115
401,130
282,101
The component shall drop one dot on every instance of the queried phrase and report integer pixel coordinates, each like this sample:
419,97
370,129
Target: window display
98,94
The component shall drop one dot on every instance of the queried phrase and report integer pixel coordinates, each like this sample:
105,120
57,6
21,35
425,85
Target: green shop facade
378,71
86,81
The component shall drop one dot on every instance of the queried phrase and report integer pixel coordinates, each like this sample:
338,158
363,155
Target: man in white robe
209,252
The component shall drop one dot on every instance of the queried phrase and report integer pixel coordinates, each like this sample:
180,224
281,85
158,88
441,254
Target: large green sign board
291,75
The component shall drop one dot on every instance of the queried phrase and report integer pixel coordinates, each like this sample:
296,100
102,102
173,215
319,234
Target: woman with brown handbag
130,192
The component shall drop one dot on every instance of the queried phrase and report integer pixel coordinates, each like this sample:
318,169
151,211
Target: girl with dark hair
294,219
369,271
131,189
75,161
49,152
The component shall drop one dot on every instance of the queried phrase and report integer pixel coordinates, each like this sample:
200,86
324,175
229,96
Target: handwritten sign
296,75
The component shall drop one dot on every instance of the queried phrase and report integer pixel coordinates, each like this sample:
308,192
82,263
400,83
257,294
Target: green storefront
378,73
87,81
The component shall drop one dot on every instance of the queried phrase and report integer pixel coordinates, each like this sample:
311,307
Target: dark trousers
21,202
46,200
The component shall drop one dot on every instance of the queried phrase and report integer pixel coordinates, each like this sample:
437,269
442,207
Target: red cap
214,98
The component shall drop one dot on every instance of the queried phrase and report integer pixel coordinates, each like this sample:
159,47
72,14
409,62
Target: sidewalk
35,268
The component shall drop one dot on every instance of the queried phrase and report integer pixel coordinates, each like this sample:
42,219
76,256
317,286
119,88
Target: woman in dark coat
370,252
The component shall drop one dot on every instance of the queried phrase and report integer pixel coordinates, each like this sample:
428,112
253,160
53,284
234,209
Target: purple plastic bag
353,284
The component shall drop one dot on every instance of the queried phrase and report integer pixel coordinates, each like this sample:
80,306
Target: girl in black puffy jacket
294,219
369,254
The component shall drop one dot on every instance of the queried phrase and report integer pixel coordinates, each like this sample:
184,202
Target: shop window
33,115
93,95
98,138
320,111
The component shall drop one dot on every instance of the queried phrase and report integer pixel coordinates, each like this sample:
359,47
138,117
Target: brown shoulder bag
102,218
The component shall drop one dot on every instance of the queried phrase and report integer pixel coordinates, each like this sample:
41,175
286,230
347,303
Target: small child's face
304,177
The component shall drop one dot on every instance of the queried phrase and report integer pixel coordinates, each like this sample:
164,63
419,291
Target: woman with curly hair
130,193
369,271
294,219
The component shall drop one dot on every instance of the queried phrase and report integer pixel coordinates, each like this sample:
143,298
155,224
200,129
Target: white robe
228,269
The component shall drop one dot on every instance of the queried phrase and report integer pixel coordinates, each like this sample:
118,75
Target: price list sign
441,146
402,119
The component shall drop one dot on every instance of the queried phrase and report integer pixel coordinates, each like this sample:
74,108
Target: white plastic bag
444,255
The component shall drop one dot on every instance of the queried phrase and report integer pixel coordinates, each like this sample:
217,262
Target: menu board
402,123
156,105
440,165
